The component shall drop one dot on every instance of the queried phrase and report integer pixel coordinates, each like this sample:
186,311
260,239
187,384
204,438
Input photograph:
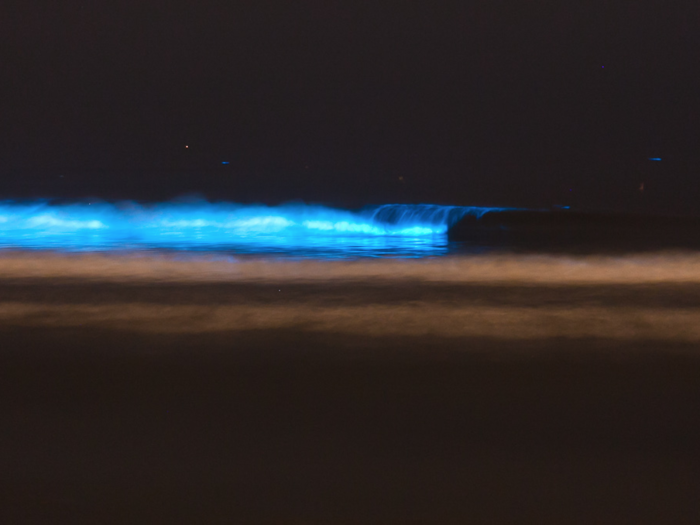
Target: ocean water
311,231
293,230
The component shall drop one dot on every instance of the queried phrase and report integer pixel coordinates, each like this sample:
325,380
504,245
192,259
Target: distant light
186,147
655,159
224,162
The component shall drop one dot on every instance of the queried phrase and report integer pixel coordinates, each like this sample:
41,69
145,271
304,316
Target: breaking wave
402,230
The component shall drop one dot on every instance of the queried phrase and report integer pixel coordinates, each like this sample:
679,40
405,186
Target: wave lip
439,217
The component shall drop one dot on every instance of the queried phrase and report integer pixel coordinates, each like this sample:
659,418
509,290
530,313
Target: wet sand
113,417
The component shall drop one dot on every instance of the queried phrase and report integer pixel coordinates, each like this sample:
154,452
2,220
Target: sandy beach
349,398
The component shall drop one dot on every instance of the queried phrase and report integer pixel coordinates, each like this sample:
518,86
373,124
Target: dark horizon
484,103
340,188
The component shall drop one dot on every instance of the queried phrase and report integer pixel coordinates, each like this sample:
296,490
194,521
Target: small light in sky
186,147
655,159
225,162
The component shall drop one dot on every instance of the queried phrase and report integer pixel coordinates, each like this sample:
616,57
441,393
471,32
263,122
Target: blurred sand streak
516,323
501,268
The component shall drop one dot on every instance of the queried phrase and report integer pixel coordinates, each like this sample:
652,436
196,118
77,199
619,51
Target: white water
301,230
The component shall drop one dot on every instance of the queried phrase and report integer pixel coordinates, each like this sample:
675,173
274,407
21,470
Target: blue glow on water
297,230
655,159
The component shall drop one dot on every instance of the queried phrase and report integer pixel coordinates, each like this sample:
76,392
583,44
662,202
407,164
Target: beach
364,394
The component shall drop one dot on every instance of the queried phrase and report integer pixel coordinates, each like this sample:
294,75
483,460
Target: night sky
530,103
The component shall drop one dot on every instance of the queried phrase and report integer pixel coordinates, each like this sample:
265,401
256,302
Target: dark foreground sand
121,403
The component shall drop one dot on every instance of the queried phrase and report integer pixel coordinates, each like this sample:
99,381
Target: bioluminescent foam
402,230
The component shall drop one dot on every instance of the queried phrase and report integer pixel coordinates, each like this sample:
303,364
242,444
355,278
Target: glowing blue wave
297,229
